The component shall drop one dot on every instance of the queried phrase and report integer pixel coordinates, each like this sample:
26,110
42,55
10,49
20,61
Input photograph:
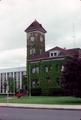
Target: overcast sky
60,18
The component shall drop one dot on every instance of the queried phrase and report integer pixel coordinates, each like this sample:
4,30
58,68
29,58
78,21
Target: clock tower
35,39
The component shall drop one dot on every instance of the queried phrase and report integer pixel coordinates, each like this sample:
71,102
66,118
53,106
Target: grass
42,100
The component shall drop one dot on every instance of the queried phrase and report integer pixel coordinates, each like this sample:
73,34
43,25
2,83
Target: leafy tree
24,84
12,85
71,76
24,80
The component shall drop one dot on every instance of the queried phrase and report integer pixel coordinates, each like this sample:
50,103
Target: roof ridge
35,25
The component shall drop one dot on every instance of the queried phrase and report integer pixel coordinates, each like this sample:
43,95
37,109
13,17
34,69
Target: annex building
11,79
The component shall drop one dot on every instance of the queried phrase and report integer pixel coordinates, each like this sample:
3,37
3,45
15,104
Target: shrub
36,91
56,92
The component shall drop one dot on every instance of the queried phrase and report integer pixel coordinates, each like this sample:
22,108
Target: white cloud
13,58
57,16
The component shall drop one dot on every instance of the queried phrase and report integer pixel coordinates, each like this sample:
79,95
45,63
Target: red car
18,94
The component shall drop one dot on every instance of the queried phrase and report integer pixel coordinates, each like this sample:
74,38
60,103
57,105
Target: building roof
17,69
73,52
34,27
65,52
45,55
57,48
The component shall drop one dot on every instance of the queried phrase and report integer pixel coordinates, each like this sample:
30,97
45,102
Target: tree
12,85
71,76
24,84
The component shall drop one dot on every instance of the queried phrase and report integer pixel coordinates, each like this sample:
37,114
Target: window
51,54
41,38
46,69
33,70
24,72
62,68
37,69
32,51
33,83
32,38
55,54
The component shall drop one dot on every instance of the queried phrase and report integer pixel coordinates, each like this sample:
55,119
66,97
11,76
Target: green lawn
42,100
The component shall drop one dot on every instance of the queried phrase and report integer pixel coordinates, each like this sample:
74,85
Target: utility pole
29,77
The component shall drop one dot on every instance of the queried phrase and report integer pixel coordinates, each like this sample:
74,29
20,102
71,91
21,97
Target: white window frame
30,51
37,69
52,53
46,69
33,70
41,38
32,38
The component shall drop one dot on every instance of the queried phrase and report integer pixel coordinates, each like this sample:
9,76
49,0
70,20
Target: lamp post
7,91
29,80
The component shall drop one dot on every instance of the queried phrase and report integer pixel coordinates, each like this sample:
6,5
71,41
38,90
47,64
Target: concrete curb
41,106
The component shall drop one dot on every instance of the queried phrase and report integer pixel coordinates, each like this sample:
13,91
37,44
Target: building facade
44,67
11,79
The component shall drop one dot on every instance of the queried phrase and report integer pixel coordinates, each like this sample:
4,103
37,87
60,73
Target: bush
56,92
36,91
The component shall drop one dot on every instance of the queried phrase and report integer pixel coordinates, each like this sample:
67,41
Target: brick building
44,67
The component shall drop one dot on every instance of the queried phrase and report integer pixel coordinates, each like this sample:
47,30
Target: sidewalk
42,106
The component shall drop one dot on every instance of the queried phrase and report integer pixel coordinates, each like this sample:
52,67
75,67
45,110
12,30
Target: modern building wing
11,77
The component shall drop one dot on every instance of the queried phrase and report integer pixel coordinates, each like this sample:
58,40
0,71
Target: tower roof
34,26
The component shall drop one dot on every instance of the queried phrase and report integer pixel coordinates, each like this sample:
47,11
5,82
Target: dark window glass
51,54
55,54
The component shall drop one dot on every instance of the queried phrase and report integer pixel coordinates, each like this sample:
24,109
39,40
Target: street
38,114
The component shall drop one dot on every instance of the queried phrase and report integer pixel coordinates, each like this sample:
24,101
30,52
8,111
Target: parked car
18,94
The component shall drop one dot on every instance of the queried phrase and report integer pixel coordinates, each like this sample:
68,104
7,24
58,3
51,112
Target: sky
60,18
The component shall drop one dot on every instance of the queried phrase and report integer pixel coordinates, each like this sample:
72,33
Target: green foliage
24,80
36,91
12,85
43,100
47,79
71,76
56,92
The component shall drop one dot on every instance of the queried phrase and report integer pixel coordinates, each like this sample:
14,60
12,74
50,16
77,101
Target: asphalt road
38,114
